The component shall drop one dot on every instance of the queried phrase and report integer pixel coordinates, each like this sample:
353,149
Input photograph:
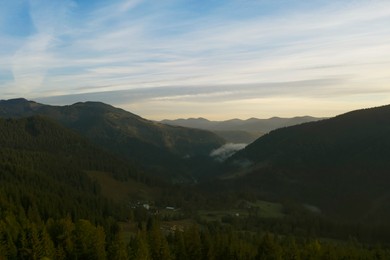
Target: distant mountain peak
91,103
18,107
188,119
250,125
202,118
252,119
15,101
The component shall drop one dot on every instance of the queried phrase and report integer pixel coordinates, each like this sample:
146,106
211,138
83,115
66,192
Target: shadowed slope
340,165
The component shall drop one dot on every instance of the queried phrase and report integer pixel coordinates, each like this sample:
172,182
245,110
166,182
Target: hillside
52,205
43,171
240,131
166,150
63,197
339,165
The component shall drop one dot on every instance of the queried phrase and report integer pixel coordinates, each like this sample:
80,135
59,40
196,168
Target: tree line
64,238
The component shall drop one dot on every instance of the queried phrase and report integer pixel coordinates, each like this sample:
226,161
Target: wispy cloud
208,93
134,51
32,60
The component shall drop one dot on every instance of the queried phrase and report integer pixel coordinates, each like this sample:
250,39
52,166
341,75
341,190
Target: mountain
340,166
53,201
44,171
157,147
51,207
240,131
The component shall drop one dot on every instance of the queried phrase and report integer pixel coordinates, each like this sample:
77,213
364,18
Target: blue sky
217,59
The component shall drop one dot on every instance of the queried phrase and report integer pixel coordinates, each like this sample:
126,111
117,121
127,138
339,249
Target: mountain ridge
339,164
157,147
240,130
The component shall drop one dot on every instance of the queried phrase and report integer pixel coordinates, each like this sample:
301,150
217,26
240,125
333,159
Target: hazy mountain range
238,130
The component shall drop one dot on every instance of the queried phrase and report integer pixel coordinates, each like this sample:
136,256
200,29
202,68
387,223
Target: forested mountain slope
157,147
50,208
43,170
340,165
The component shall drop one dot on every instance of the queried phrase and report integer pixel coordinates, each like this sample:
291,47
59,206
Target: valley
91,168
194,130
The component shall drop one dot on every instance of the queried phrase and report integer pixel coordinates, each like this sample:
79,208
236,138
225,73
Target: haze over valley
240,131
138,129
329,170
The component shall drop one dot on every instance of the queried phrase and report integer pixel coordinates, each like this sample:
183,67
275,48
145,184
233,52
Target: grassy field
262,209
121,191
268,209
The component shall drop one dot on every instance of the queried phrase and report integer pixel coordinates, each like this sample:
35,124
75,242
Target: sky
218,59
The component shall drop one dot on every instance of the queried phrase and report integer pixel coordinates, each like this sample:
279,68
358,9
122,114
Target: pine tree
193,243
179,247
142,246
35,244
158,244
89,240
269,249
291,250
117,248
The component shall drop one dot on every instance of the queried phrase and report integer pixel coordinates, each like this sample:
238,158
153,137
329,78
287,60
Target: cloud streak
211,93
128,52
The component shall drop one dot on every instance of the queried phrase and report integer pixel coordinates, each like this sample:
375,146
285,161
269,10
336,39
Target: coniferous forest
65,195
